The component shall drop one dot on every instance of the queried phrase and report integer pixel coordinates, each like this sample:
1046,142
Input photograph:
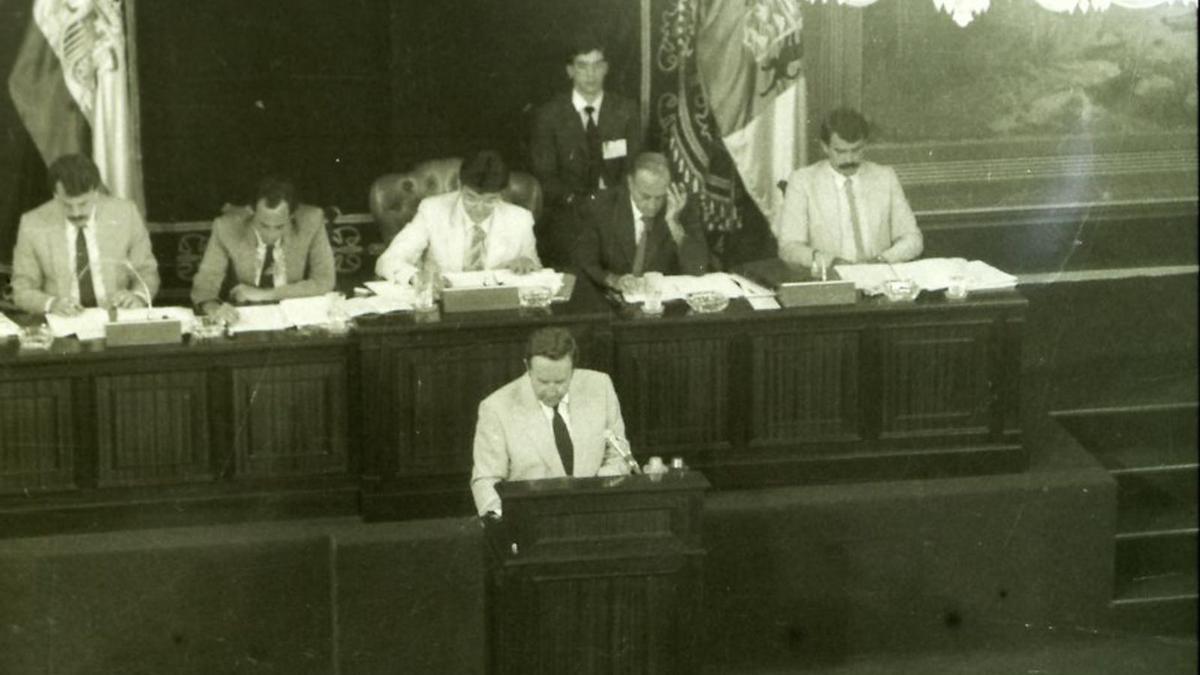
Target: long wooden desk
381,422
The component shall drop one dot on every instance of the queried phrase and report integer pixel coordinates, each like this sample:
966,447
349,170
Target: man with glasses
279,250
82,248
583,141
470,229
555,420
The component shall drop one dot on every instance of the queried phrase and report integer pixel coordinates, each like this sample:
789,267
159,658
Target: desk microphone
132,270
621,445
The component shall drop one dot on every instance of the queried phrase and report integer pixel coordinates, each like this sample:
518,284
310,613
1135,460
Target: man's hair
76,173
553,343
652,162
272,190
584,44
485,171
847,123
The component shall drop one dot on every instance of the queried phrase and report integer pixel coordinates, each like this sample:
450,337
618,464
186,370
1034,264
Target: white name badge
614,149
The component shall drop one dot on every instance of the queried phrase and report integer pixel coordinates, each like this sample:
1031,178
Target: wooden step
1160,437
1155,558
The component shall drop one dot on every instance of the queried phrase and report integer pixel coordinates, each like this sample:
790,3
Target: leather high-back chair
394,197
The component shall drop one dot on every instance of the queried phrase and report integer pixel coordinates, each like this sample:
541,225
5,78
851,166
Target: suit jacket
232,252
559,145
809,220
40,264
606,241
432,232
513,440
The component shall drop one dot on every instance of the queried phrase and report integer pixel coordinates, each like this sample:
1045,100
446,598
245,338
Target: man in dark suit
583,141
627,232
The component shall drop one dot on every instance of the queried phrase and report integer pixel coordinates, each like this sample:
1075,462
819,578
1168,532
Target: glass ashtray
707,302
901,290
535,296
35,337
207,328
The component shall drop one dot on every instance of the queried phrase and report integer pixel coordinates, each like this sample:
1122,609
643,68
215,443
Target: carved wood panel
152,428
674,393
935,378
805,387
290,420
438,390
39,435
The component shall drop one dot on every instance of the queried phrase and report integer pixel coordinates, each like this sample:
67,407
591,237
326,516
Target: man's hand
224,312
244,293
626,283
822,263
127,300
523,265
65,307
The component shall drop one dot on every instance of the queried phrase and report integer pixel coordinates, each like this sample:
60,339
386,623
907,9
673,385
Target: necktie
595,152
475,250
267,278
562,439
83,269
860,251
639,252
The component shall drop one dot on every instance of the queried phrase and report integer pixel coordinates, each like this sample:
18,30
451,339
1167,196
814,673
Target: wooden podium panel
37,435
598,575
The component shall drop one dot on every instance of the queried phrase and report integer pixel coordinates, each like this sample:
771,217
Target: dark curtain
22,172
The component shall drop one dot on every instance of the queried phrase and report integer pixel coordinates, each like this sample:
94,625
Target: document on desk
678,287
259,317
388,289
312,311
8,327
930,274
546,278
378,304
87,325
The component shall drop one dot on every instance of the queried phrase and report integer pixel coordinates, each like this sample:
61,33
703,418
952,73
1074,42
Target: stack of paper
86,325
8,328
377,304
260,317
679,287
930,274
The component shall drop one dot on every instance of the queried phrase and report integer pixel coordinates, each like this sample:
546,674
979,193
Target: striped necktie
83,268
476,250
860,251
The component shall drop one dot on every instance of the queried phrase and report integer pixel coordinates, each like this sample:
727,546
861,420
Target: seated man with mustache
844,209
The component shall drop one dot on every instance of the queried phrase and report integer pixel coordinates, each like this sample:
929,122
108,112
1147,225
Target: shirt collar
89,225
563,405
464,221
580,103
840,178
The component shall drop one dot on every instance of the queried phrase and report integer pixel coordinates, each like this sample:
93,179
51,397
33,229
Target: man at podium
553,421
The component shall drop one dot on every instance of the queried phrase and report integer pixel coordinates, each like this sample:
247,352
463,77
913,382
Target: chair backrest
394,197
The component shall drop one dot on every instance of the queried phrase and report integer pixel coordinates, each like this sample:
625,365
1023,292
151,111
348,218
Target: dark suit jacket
232,247
606,241
559,145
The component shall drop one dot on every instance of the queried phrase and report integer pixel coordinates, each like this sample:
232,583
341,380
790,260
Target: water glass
35,337
652,291
956,288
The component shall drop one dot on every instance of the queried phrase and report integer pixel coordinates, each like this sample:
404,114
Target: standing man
470,229
279,250
583,141
82,248
627,232
843,208
553,421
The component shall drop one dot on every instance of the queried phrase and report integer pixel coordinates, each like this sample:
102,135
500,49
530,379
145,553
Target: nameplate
132,333
817,293
480,299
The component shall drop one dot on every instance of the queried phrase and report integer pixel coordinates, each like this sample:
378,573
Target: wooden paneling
805,387
38,436
674,392
438,390
152,428
936,378
290,420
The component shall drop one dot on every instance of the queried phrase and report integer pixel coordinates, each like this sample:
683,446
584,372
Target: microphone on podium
621,445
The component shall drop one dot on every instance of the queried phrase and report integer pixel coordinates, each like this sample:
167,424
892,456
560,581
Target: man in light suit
844,209
627,232
82,248
472,228
553,421
279,250
583,141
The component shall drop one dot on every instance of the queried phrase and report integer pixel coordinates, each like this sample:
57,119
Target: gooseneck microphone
621,445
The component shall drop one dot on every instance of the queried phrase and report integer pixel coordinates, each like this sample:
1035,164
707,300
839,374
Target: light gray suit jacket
232,246
810,221
41,268
513,440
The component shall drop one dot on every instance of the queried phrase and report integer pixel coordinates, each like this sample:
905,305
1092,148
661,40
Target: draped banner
749,59
72,67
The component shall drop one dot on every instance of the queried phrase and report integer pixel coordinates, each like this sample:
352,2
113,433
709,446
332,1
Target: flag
749,57
72,70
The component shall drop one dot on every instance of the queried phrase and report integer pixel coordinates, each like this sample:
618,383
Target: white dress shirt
280,260
847,249
94,266
564,410
580,103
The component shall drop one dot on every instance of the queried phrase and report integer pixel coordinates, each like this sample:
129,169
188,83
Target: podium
598,575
